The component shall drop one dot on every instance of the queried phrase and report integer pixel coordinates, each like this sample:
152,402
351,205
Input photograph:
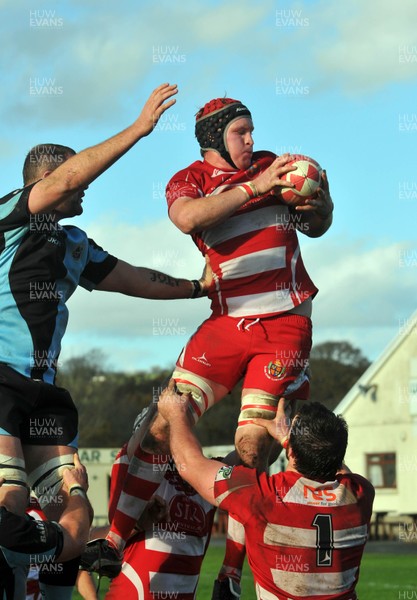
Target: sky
334,80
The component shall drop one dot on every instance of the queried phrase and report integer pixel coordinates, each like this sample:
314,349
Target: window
381,470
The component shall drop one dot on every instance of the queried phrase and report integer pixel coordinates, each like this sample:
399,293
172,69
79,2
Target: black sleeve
14,210
100,264
25,541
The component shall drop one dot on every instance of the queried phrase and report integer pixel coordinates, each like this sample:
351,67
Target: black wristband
78,490
197,291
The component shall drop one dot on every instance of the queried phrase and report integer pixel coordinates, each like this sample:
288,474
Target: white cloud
225,23
358,46
359,43
101,56
360,286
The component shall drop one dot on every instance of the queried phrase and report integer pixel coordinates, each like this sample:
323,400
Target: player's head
40,162
318,441
213,121
42,159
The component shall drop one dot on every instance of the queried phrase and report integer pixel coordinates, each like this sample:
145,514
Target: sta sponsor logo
275,370
319,496
188,515
202,359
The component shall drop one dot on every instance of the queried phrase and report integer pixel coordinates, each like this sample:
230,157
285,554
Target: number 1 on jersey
324,540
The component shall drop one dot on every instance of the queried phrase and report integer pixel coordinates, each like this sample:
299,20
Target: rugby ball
306,179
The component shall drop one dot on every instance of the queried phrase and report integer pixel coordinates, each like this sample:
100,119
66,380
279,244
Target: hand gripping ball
306,179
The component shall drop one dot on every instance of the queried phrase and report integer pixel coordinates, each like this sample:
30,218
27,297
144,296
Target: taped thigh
202,395
257,405
46,480
12,470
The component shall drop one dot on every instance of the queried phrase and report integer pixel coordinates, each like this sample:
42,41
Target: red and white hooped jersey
165,561
304,539
32,582
254,254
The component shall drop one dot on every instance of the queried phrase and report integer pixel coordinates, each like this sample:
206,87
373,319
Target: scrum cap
212,122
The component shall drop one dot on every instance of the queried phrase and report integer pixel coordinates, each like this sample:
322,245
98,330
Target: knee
257,404
201,393
14,491
46,480
253,445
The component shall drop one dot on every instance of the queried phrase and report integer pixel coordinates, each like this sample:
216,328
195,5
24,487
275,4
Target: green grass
388,577
383,577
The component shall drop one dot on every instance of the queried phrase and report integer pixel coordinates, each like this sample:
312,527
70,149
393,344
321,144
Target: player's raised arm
195,468
79,170
78,515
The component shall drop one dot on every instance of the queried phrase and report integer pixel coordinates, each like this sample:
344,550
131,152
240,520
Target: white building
98,462
381,411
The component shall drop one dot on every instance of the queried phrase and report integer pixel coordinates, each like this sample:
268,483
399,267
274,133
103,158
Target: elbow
313,233
186,225
317,229
184,219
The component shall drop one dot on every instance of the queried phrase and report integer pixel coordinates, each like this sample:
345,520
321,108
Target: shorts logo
224,473
202,359
275,369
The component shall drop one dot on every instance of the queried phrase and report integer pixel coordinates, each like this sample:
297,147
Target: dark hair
318,439
44,157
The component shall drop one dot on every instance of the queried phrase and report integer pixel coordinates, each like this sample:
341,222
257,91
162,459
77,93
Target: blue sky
336,81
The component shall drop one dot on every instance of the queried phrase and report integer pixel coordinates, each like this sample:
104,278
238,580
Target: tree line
109,401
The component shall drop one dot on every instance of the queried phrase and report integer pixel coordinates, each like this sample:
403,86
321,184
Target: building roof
367,377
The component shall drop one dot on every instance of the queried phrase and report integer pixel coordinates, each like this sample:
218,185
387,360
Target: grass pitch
382,577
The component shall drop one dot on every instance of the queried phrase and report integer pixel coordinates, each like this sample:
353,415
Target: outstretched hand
155,106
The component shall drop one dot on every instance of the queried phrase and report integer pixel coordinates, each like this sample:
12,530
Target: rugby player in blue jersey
41,265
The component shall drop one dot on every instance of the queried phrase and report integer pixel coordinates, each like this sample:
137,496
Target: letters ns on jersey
319,495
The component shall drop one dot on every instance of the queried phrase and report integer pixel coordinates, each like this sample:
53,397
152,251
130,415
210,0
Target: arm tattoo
157,277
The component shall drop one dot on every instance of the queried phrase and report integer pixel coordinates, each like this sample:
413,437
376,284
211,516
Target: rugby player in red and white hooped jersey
260,327
305,528
165,551
261,296
163,559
